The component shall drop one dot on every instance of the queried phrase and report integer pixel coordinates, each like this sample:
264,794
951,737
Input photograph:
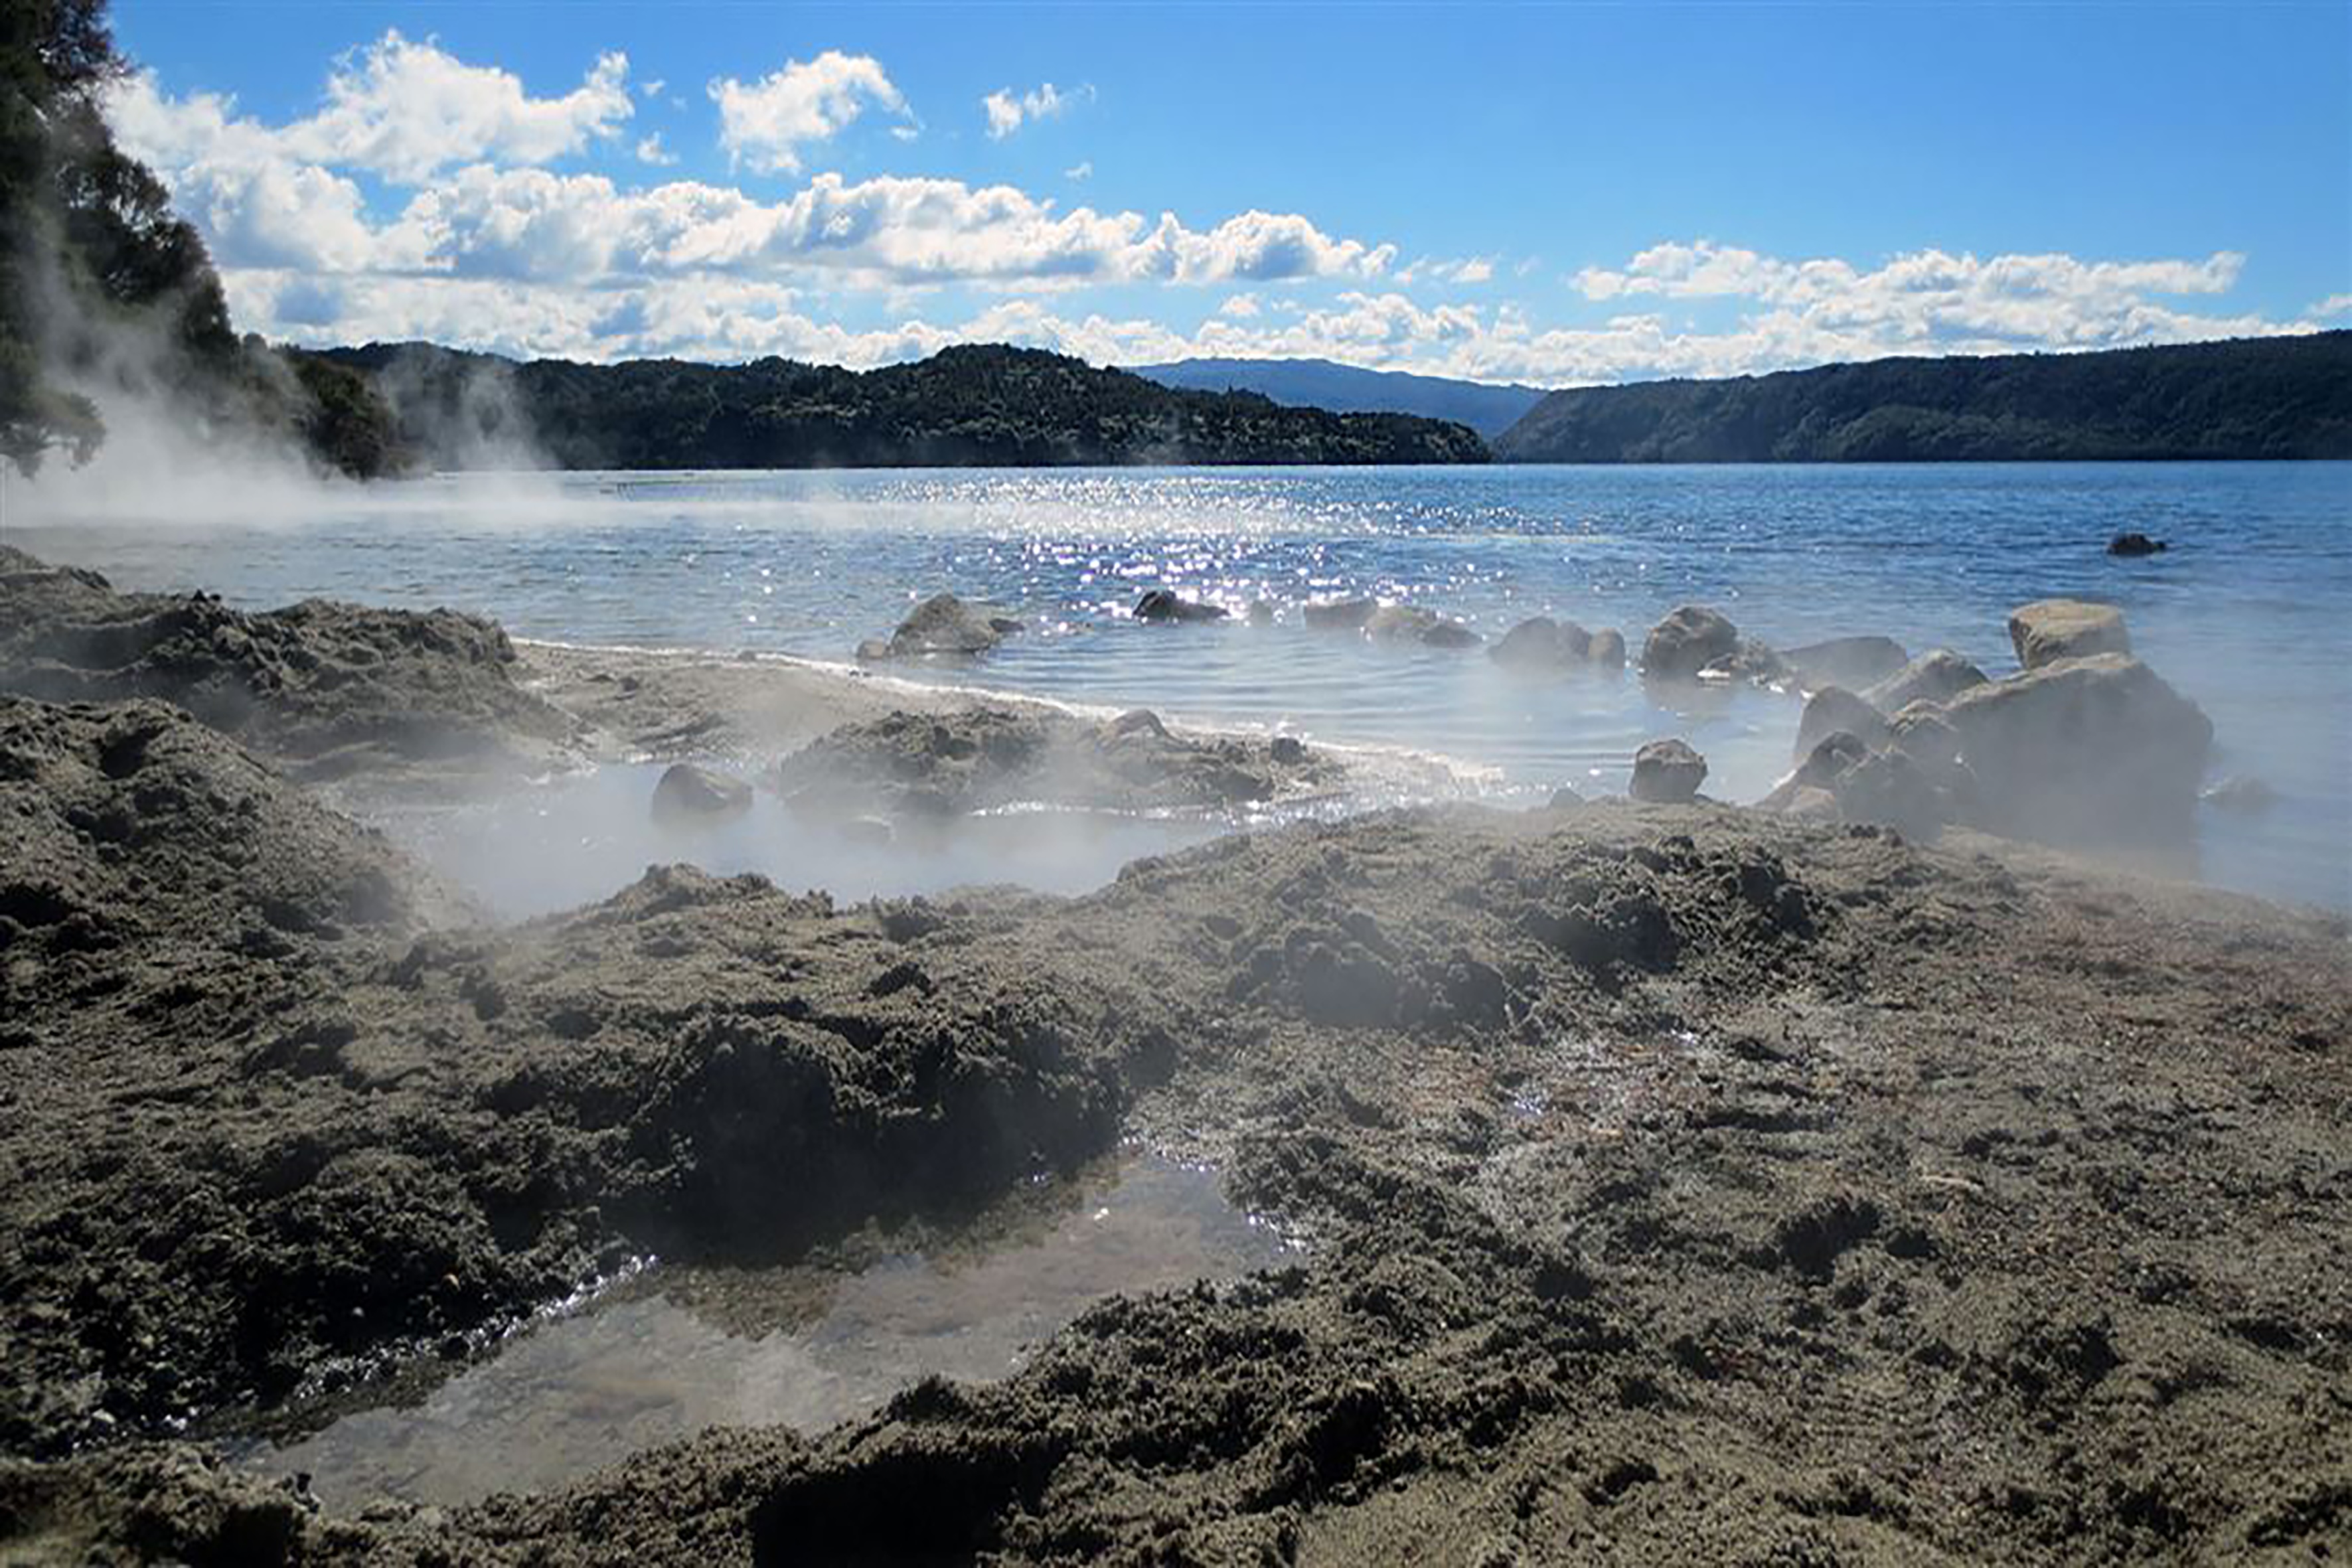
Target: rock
941,627
1138,720
1851,662
692,796
1830,761
1833,709
1288,751
2090,751
1542,645
1667,773
1261,612
1808,803
1167,608
1748,661
1412,622
2134,544
2048,630
1607,650
1888,787
2240,794
1935,677
1339,615
1689,639
1564,798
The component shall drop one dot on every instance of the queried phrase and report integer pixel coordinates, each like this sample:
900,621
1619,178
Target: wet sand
1678,1181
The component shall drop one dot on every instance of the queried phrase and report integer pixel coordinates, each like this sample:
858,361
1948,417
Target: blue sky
1550,193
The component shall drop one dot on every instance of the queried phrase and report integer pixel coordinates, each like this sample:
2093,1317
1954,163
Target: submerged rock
1541,645
688,795
1413,623
2048,630
1852,662
1686,641
1933,677
1167,608
2134,544
942,627
2240,793
1667,773
1339,615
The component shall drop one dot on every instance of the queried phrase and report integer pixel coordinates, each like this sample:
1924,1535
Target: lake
2249,611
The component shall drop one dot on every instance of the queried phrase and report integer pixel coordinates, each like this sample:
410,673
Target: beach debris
693,797
1163,608
1667,773
2048,630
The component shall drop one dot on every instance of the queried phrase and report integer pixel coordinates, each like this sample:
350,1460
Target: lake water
2250,613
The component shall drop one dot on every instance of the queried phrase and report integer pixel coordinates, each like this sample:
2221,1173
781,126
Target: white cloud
404,111
1084,169
1007,112
767,123
2334,305
651,150
1240,307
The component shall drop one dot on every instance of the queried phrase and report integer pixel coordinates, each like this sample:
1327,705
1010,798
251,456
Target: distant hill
1320,384
980,405
2256,398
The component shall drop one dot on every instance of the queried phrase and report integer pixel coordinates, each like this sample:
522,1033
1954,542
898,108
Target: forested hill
2257,397
1319,384
964,405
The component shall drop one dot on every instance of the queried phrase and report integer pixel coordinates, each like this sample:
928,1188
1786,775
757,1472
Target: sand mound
1679,1179
947,764
325,689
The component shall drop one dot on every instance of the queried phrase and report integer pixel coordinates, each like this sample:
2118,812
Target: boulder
1286,751
1166,608
1607,650
1564,798
1828,762
1138,722
2134,544
2092,751
1851,662
1748,661
692,796
1339,615
1833,709
1888,787
1667,773
1934,677
1542,645
2048,630
1690,638
941,627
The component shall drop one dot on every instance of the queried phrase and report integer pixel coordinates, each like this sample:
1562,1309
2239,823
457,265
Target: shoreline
1682,1177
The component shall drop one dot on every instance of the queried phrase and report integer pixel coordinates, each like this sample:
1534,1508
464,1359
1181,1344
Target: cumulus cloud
400,110
651,150
1007,112
767,123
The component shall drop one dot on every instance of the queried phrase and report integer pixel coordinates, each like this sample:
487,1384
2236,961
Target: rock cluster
1167,608
2085,746
1389,623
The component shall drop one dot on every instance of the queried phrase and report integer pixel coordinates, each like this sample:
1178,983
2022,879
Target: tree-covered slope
1349,389
964,405
2266,397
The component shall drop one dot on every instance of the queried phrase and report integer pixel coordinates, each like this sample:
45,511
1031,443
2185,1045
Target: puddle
583,836
677,1350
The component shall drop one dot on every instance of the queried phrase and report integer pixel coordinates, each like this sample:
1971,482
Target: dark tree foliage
2257,397
103,286
989,404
